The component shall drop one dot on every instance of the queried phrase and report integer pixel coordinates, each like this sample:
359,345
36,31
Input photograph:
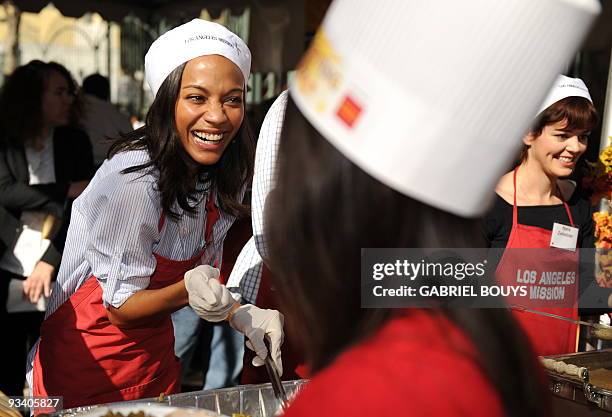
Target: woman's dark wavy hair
179,174
21,107
340,210
579,113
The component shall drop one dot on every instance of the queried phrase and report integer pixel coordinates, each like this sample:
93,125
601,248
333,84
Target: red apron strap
569,213
212,215
514,208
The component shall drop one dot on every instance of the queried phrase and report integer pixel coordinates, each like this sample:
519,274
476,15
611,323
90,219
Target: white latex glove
256,323
210,299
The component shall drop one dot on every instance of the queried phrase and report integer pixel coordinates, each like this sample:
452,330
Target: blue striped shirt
114,232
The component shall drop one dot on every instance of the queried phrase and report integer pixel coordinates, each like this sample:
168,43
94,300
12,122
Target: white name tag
564,237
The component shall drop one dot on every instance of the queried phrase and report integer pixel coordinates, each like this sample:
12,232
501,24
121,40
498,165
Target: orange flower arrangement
599,178
603,229
603,244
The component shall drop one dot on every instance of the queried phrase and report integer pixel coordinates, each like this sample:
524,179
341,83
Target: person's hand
256,323
210,299
39,282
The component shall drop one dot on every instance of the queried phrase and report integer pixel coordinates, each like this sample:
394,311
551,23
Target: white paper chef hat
191,40
565,87
432,97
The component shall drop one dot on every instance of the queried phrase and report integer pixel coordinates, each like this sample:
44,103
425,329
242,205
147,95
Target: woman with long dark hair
378,360
536,206
390,147
158,207
45,162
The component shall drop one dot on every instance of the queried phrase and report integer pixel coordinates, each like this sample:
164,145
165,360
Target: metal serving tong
601,331
277,384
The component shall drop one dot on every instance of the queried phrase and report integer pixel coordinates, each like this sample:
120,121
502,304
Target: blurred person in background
101,119
44,162
365,161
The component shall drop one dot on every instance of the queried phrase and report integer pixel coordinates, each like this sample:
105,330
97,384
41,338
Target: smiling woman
535,201
560,135
209,110
158,208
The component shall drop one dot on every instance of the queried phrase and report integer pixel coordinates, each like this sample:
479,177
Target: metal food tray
253,400
149,409
587,390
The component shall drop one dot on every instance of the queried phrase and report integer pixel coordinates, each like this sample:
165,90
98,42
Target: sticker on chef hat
321,82
320,73
349,111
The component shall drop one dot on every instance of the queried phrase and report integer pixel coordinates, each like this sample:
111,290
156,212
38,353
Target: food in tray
158,412
598,367
240,415
602,332
131,414
561,367
191,413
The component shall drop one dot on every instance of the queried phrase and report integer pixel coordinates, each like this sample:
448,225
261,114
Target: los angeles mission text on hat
211,37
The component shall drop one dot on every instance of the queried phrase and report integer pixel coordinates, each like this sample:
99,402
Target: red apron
548,336
87,360
293,359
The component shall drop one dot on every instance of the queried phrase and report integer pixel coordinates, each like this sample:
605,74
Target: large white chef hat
432,97
191,40
565,87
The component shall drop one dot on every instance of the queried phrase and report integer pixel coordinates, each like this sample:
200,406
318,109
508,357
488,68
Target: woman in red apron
542,221
356,170
158,207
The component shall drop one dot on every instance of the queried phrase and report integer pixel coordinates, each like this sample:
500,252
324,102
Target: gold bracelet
235,307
